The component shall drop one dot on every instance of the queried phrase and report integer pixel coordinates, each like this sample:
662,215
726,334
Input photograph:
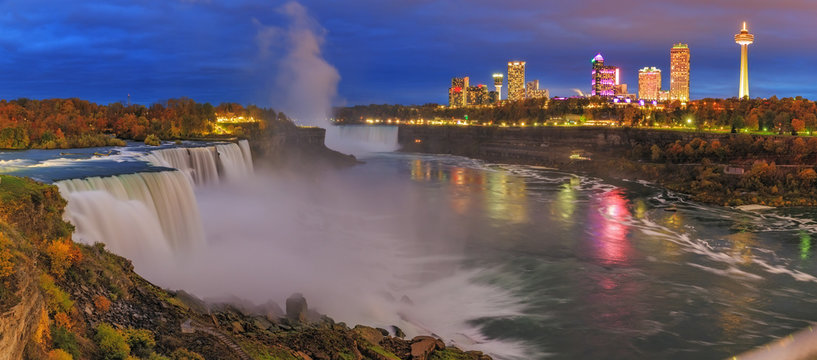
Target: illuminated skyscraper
679,72
649,83
604,78
477,95
532,90
458,92
744,39
498,79
516,80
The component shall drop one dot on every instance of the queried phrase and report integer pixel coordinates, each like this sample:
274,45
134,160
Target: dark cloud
402,51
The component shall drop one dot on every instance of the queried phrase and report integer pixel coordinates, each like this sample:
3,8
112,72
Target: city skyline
396,52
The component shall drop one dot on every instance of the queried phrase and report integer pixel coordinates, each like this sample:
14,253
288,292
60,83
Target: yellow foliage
59,354
62,320
43,334
6,257
62,253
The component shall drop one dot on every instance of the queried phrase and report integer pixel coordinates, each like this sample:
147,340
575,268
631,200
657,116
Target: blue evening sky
398,51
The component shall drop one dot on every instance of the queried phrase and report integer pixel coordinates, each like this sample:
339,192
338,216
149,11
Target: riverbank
714,168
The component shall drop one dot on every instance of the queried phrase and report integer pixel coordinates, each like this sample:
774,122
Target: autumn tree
62,254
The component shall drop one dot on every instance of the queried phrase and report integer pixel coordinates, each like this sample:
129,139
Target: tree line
66,123
782,116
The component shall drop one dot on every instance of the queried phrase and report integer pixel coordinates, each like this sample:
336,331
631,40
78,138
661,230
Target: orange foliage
59,354
102,303
62,320
63,254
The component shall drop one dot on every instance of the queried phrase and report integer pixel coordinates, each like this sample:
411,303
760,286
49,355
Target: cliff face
18,324
296,147
548,145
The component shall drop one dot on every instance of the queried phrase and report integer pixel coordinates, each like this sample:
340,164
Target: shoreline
678,161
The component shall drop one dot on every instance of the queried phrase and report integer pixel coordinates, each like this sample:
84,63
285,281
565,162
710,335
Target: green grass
261,352
448,354
383,352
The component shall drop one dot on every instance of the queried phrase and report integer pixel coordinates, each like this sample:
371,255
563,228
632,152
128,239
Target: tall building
532,90
649,83
604,78
679,72
498,79
458,92
476,95
516,80
744,39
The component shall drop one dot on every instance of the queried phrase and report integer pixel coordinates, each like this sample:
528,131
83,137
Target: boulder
187,327
261,323
237,327
297,308
423,346
398,332
371,335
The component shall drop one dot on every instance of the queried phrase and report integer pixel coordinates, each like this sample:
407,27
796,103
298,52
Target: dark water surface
612,269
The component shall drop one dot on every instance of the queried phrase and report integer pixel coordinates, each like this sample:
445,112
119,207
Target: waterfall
362,139
134,213
207,165
233,161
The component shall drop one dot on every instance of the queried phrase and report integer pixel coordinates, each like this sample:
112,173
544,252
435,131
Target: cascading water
209,164
145,216
362,139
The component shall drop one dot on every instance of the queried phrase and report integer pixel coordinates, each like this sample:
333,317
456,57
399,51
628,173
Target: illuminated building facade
498,80
620,90
458,92
516,80
604,78
679,72
476,95
744,39
649,83
532,90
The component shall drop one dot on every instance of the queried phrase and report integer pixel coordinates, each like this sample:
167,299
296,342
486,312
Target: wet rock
423,346
383,331
187,327
262,323
237,327
398,332
297,308
371,335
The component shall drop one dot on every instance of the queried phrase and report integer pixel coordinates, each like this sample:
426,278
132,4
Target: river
521,262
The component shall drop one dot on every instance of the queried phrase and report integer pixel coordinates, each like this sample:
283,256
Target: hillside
63,300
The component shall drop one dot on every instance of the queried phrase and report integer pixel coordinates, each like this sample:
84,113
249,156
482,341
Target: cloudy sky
390,51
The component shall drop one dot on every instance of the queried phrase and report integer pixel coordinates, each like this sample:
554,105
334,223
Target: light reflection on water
616,270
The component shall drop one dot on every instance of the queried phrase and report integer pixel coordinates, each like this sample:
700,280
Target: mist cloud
305,84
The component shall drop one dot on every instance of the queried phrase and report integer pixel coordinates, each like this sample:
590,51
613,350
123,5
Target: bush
62,320
156,356
141,342
153,140
184,354
65,340
102,303
62,254
58,354
112,344
57,299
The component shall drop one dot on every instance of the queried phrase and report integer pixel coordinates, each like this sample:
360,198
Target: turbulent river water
521,262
